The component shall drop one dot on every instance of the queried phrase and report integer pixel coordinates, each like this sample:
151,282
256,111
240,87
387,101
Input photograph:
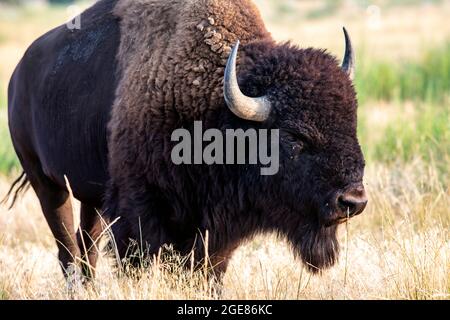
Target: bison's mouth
336,218
341,221
336,222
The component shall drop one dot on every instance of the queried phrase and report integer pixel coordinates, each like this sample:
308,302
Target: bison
99,104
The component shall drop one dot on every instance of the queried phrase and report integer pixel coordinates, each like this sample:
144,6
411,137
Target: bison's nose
352,202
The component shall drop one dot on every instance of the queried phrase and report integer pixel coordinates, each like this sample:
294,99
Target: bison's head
310,98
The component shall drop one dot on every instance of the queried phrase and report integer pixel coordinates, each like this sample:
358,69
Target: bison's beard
317,246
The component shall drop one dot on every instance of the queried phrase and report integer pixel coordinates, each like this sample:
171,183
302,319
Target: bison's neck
173,52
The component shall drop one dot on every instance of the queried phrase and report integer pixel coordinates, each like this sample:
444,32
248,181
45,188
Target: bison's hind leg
57,208
87,237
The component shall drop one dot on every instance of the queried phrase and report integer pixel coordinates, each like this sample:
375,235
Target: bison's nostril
353,202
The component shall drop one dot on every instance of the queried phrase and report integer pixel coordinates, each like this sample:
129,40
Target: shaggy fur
172,56
99,105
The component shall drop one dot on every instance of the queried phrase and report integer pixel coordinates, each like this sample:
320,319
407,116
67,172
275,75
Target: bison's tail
19,186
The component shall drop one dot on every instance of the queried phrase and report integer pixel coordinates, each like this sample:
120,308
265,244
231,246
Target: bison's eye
297,143
297,150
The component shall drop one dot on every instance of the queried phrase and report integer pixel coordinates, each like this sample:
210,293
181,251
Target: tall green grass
424,83
425,135
427,79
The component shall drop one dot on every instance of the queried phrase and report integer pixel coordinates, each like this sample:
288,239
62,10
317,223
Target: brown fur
172,57
177,57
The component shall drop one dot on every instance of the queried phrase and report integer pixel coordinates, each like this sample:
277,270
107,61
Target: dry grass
398,249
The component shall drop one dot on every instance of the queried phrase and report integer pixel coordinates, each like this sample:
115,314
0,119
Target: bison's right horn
254,109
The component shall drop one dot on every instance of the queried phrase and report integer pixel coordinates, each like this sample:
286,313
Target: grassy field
399,248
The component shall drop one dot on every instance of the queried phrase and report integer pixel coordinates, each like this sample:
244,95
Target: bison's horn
348,65
254,109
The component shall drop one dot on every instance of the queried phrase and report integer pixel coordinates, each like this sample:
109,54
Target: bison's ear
254,109
348,65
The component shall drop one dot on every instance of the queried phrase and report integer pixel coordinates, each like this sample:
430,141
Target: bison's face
322,164
321,160
311,99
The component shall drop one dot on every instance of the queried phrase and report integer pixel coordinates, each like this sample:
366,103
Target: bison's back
60,97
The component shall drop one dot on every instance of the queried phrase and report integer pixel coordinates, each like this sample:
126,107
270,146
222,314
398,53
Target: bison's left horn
254,109
348,65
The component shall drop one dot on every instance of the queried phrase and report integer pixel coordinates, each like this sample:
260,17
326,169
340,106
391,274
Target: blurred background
399,248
